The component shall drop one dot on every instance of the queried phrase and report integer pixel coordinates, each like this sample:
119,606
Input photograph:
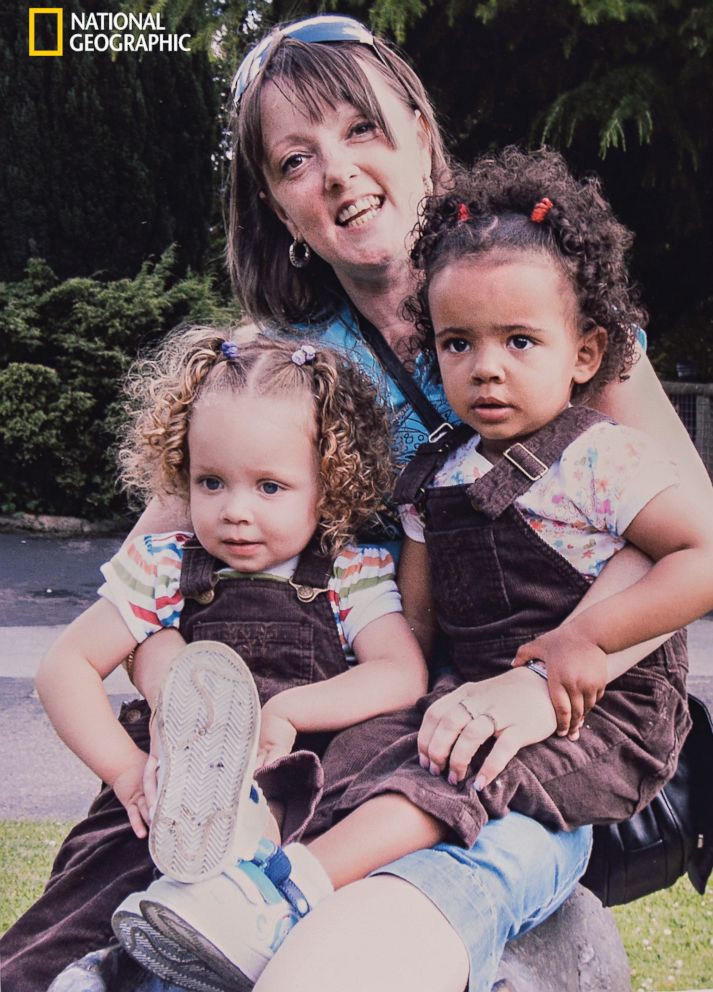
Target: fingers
504,750
440,730
472,737
524,654
562,706
137,821
150,783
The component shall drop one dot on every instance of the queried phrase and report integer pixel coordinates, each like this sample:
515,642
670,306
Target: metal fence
693,402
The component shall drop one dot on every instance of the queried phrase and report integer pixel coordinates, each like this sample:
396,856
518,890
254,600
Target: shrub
64,350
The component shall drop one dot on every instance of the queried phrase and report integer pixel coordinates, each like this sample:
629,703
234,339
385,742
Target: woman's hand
515,707
128,787
277,733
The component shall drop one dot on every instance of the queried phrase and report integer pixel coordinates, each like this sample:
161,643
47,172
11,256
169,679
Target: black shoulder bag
669,837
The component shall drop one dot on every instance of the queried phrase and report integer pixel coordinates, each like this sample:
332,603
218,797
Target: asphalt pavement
45,582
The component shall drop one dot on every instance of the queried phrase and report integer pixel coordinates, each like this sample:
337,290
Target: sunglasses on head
319,29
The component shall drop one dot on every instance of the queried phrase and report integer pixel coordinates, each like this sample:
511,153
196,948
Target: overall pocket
466,577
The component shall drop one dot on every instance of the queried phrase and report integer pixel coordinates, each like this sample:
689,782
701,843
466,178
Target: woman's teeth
359,212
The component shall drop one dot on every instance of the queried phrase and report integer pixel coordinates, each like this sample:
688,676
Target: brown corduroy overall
286,632
497,584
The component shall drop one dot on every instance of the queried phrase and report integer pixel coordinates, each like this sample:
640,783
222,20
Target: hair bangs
315,79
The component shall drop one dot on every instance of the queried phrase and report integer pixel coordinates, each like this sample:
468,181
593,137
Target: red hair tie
464,213
541,209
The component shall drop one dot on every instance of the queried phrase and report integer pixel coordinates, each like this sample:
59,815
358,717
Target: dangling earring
299,253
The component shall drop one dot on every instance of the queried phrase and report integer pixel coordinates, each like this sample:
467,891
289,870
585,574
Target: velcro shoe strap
278,867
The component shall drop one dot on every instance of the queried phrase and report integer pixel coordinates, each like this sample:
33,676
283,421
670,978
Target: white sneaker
208,813
234,923
158,953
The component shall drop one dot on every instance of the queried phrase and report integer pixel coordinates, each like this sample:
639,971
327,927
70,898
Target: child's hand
277,734
129,789
576,672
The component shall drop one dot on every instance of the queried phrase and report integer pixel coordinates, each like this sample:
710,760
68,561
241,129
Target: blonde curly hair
352,429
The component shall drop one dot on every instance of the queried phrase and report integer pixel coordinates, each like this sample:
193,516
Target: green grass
668,936
669,939
27,851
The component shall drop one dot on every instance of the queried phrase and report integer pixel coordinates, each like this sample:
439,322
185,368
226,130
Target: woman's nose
339,167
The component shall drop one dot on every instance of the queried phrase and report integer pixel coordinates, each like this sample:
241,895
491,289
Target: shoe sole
208,722
177,930
164,957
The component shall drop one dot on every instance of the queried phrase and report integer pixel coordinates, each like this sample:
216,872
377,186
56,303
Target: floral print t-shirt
585,501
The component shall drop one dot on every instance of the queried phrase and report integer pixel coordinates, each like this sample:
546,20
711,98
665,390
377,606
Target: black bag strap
390,363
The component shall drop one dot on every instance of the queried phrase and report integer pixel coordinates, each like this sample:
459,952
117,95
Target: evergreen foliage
107,159
623,87
64,350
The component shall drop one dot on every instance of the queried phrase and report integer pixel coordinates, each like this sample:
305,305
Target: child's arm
69,683
678,536
391,673
415,586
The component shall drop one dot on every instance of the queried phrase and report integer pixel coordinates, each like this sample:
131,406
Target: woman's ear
424,139
592,346
269,200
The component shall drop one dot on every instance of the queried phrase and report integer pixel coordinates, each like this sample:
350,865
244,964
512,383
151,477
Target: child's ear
592,346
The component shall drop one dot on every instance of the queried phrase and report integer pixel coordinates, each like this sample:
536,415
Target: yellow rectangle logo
34,12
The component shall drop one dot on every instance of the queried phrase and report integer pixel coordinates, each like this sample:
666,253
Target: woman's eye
293,162
521,342
457,346
270,488
363,128
211,483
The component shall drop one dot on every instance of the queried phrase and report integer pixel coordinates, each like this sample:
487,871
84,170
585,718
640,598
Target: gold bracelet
129,664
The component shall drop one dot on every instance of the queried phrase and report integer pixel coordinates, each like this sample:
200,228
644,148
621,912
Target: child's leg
385,828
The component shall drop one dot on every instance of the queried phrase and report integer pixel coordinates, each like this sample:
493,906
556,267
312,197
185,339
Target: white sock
308,874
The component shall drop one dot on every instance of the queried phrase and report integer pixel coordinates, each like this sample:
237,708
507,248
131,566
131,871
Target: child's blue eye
211,483
270,488
521,342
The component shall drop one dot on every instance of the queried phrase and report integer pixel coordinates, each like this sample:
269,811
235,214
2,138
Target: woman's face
339,185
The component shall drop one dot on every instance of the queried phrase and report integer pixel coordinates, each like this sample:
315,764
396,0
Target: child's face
507,345
254,477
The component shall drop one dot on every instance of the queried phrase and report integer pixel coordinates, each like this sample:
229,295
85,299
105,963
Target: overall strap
415,477
198,572
525,463
313,572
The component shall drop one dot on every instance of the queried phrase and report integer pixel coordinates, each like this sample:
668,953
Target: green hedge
64,350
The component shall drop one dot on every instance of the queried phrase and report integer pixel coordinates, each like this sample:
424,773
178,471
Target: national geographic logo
101,32
49,20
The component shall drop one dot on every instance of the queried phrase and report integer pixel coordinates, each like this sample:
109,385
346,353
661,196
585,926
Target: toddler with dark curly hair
524,300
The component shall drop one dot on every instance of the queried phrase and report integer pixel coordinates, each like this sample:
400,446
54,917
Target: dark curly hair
352,430
488,208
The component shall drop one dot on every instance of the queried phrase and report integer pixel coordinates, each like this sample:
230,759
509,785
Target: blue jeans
515,876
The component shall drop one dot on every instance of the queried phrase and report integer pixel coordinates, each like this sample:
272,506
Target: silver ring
474,716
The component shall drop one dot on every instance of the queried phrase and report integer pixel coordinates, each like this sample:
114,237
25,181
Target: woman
335,145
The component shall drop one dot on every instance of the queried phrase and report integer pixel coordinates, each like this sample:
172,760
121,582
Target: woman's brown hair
319,76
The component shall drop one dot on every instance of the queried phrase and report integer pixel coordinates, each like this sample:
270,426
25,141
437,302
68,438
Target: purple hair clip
229,350
304,355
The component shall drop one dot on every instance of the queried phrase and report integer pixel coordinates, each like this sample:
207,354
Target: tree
106,159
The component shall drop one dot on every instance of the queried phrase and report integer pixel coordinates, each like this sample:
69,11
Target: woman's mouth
360,211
